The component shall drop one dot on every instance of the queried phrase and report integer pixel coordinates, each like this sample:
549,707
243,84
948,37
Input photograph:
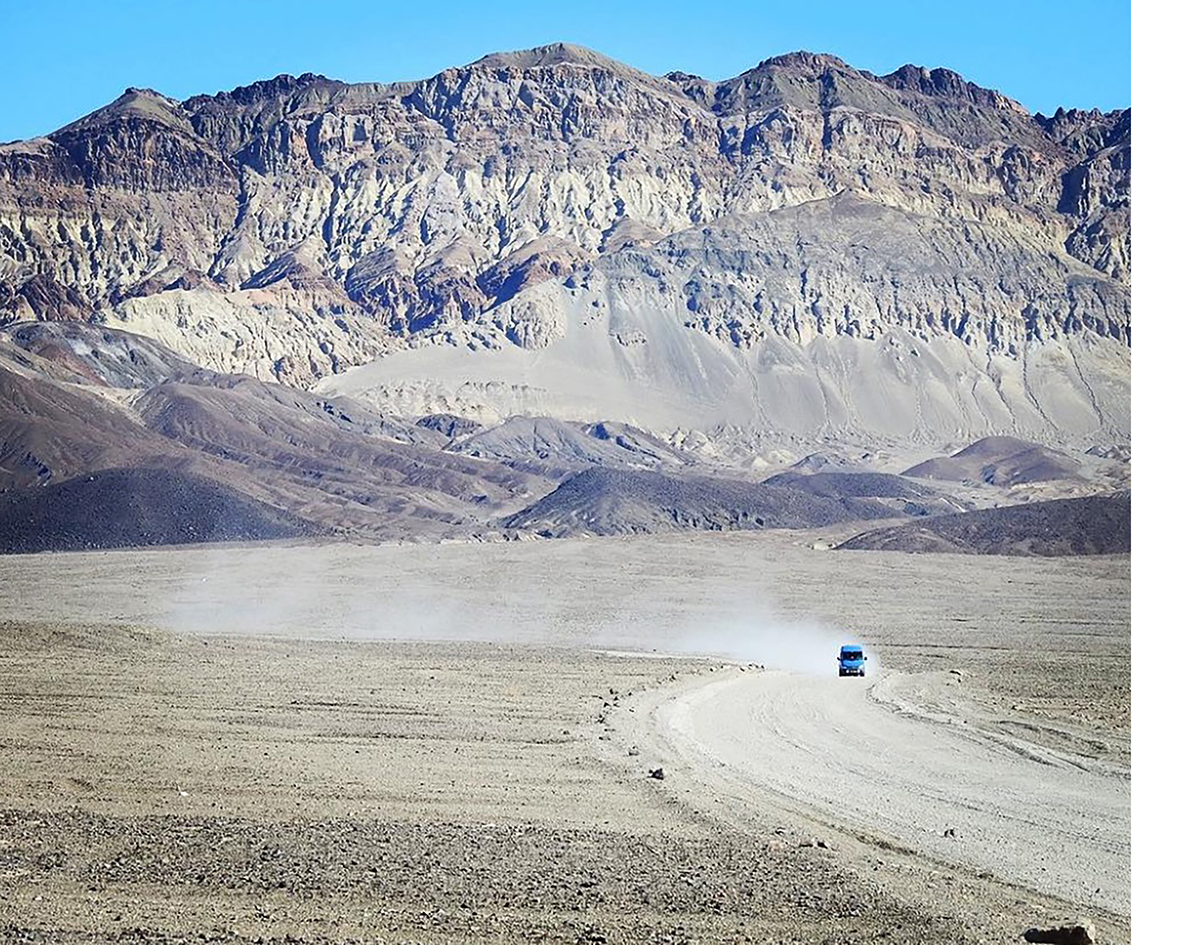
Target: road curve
828,749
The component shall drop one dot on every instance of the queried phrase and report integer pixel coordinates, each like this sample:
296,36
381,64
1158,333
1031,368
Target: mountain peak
552,54
946,84
136,104
804,62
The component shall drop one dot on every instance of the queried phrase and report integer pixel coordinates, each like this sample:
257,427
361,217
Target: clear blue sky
65,58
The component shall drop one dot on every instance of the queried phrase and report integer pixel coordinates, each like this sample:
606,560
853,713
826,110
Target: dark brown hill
999,461
50,432
619,502
119,508
897,492
1090,525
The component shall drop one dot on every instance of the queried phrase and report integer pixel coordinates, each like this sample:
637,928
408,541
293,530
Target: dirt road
845,753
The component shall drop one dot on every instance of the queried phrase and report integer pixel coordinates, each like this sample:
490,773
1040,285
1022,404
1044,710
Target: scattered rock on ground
1082,934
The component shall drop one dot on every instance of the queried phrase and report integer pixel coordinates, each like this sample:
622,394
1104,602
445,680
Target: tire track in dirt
776,743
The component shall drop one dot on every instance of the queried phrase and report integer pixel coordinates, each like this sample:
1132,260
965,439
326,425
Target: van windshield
851,655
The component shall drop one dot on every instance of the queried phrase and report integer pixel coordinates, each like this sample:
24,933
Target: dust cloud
357,595
807,647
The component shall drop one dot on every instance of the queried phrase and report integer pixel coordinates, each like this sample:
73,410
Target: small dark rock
1082,934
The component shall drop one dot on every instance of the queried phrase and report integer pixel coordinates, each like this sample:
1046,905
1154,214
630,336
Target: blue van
852,661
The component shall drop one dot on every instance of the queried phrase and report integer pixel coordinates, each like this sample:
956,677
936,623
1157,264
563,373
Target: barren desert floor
429,743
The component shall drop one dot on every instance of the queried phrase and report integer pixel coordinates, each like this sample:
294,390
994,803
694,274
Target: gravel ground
158,783
158,786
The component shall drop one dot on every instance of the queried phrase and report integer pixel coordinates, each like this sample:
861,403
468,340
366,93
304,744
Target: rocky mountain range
797,222
547,261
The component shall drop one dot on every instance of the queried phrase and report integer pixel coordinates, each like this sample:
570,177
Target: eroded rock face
849,266
293,227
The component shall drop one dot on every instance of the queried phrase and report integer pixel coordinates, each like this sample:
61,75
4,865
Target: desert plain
456,742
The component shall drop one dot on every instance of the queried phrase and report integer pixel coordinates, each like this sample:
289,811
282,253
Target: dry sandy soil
432,743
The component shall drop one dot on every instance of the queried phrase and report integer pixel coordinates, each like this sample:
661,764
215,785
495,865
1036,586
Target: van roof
850,646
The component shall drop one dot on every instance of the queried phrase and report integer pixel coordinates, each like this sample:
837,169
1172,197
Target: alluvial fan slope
806,249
